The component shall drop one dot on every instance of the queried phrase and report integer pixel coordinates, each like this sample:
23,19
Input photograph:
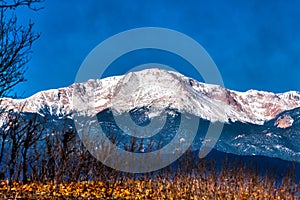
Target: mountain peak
159,89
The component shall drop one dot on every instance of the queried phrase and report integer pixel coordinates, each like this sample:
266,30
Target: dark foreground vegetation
188,178
202,181
40,161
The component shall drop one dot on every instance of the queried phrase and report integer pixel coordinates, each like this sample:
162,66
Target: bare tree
16,3
15,44
15,132
32,134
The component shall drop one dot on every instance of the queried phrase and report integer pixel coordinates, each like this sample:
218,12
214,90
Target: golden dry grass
230,184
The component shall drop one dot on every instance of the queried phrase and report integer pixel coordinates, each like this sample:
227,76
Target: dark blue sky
255,43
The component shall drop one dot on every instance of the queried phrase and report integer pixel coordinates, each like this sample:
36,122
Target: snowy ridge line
159,89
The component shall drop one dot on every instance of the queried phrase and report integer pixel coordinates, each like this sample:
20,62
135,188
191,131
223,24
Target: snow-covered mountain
256,122
159,89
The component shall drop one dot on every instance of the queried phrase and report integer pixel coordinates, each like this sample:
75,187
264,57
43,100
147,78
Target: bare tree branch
16,3
15,46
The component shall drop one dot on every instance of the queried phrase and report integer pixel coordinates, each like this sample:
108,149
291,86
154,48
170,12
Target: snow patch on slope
158,89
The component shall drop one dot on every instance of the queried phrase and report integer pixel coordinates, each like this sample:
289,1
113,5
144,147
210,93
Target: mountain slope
256,122
159,89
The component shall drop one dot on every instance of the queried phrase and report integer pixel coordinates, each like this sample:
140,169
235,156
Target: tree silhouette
15,44
16,3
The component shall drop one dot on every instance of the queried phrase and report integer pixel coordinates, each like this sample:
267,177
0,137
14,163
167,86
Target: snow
160,89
